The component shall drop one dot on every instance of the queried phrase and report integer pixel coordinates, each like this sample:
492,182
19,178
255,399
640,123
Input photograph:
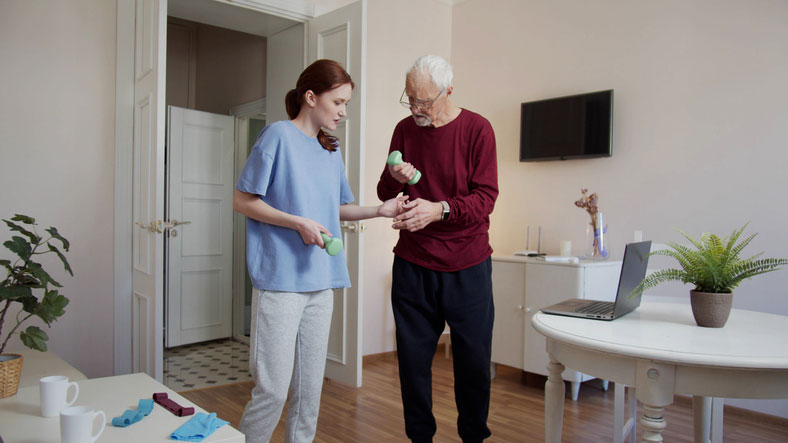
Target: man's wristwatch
446,210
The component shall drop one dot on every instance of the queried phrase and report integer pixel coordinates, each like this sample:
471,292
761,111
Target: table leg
701,411
654,382
653,423
554,392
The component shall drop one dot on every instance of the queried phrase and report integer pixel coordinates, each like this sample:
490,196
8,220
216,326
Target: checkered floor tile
203,365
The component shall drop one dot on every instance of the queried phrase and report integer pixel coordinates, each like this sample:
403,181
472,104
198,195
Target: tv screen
561,128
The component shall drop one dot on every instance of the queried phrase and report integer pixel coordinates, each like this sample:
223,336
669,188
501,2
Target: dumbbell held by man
333,244
395,158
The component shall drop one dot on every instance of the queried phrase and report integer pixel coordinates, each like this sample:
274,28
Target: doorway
216,80
140,123
215,102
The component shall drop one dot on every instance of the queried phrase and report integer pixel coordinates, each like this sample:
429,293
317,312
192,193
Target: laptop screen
633,271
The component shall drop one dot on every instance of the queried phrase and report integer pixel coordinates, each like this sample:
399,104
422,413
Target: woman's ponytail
292,103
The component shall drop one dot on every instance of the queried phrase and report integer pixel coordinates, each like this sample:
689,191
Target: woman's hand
310,231
392,207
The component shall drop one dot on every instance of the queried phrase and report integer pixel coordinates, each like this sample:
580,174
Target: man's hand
417,214
402,172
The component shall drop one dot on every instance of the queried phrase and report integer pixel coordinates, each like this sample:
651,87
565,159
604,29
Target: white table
21,420
37,364
659,350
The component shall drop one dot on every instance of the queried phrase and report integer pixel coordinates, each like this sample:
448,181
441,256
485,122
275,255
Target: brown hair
319,77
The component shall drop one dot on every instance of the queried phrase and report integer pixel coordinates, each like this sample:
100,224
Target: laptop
633,270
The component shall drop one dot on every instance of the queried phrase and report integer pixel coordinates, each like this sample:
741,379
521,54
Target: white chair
625,416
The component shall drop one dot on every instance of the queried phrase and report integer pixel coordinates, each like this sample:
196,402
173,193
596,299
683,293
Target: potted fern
714,267
30,285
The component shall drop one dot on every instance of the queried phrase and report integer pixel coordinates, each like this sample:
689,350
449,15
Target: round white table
660,351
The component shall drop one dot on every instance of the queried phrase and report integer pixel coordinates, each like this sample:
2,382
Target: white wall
57,115
700,131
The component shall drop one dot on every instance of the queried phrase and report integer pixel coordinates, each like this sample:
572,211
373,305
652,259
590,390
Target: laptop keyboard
597,307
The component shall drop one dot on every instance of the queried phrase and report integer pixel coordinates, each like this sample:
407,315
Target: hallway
208,364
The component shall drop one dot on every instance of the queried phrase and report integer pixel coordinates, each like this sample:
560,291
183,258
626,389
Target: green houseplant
30,285
715,268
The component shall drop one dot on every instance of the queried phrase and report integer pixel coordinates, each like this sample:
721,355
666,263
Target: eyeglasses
424,105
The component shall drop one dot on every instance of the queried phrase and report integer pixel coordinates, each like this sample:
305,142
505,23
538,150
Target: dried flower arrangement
589,203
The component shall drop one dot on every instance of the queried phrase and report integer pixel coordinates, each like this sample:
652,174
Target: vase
10,370
596,238
711,310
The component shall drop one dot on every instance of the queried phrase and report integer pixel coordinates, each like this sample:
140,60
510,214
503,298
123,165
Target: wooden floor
374,413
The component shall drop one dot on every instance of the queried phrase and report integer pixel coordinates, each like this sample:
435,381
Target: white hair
437,67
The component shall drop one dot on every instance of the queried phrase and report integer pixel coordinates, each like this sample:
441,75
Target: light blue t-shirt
292,172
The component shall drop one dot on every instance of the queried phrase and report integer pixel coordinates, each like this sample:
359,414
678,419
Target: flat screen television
571,127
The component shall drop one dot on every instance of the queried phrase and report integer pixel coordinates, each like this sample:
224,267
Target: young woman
292,189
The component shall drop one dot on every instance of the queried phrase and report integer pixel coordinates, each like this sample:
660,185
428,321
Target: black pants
422,300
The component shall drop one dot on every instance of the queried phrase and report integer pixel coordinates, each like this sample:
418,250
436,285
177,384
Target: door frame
242,114
124,151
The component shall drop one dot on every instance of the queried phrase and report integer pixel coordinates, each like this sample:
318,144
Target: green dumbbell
333,244
395,158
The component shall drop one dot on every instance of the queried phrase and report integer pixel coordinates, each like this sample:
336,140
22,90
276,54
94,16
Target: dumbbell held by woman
395,158
333,244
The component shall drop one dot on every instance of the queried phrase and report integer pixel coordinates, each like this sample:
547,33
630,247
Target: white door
340,35
200,239
148,188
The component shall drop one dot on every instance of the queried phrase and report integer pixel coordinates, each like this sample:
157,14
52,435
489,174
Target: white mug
566,248
77,423
53,392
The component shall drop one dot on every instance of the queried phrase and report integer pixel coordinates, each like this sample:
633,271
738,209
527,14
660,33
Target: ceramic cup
566,248
53,391
77,424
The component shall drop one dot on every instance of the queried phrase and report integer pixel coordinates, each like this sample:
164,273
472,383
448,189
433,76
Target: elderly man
442,268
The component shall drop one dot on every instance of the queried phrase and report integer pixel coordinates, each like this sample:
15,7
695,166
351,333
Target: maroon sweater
458,164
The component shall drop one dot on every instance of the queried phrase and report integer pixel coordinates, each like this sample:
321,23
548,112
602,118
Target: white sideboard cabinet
523,285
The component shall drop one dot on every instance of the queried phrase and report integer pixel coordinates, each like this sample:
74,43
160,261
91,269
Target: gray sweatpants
288,348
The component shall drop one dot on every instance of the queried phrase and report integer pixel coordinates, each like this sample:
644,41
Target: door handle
173,223
353,227
153,226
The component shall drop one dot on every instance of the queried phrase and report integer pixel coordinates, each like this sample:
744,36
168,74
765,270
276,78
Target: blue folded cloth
198,428
144,407
128,418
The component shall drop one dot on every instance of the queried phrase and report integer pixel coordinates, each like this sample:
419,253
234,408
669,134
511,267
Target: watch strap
446,210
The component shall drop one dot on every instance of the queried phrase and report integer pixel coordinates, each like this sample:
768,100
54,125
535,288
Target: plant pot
711,310
10,370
